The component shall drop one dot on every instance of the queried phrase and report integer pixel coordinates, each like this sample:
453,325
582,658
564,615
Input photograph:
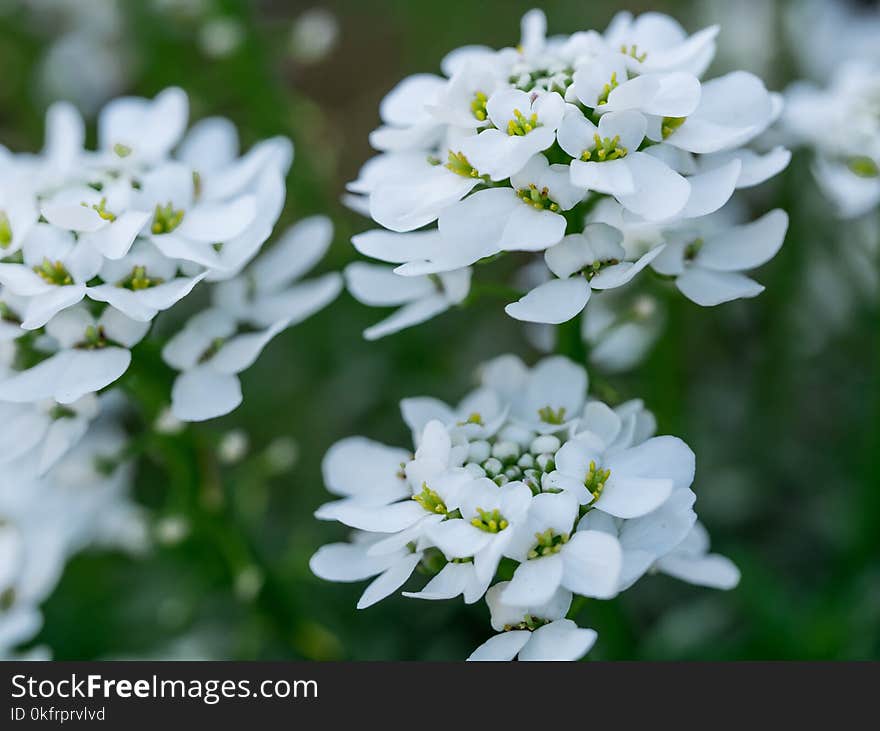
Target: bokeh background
779,396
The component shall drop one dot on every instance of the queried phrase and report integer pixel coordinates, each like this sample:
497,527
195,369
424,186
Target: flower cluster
527,493
95,243
515,150
83,501
847,165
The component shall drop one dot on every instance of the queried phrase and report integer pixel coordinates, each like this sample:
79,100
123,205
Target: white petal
448,584
559,640
407,316
241,352
709,288
390,581
202,393
44,307
409,204
212,223
714,570
378,286
534,581
660,191
22,280
745,247
347,562
592,562
733,109
298,250
501,647
457,538
617,275
297,303
711,190
115,239
673,94
357,465
553,302
631,497
379,519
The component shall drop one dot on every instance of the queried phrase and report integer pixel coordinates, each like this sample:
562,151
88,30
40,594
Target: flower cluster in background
526,479
94,245
603,153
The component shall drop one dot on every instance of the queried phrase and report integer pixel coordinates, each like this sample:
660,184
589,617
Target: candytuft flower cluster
515,150
527,493
95,243
847,140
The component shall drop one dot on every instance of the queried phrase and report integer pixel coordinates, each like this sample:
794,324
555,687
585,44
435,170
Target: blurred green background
779,396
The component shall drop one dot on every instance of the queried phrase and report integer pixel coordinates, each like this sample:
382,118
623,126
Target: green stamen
529,623
139,280
863,166
670,124
5,231
166,219
549,415
607,89
605,149
489,521
94,339
692,249
538,199
61,412
474,418
459,164
548,543
591,270
478,106
632,52
521,125
430,500
101,209
595,480
55,273
212,350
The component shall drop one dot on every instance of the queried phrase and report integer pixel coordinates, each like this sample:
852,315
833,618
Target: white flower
647,539
54,274
133,132
142,283
91,354
656,42
607,160
546,399
733,109
490,515
536,632
624,481
582,262
552,555
708,268
522,126
210,355
45,427
407,122
420,297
